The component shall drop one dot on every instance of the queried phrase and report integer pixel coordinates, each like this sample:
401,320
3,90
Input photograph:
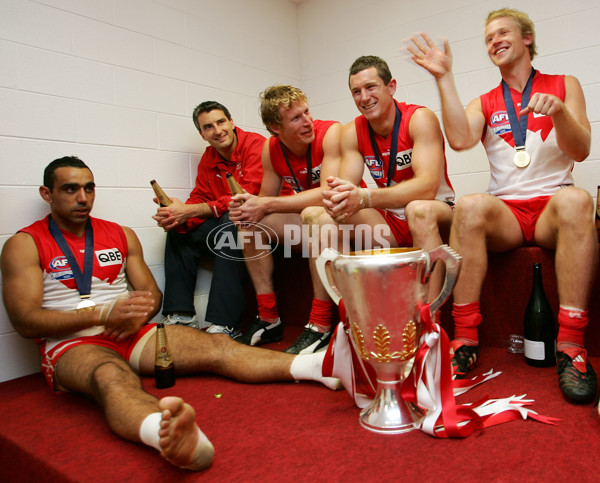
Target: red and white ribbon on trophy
429,385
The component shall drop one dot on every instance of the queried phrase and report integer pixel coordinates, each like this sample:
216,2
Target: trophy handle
452,260
323,264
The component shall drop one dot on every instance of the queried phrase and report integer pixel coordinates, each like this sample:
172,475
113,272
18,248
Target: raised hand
427,54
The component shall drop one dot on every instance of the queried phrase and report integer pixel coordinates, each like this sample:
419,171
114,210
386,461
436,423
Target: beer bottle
540,325
164,368
163,199
234,186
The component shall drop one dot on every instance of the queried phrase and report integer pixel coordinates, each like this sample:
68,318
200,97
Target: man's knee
112,372
311,214
471,210
420,211
573,205
425,217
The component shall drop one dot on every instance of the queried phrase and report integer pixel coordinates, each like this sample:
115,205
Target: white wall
333,33
115,82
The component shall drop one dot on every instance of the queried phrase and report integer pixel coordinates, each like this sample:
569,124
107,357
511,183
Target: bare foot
182,442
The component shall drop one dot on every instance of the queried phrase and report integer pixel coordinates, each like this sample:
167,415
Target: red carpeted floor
296,432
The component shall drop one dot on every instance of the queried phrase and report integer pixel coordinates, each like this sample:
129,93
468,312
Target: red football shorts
527,213
130,349
399,228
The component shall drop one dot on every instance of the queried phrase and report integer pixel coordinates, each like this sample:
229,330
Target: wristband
365,198
105,311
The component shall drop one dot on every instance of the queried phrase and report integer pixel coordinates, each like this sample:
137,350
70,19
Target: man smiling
231,151
403,148
301,153
531,199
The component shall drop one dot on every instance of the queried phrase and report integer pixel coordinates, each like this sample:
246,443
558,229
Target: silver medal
521,158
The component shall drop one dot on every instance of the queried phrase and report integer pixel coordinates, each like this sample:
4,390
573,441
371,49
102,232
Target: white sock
309,367
149,430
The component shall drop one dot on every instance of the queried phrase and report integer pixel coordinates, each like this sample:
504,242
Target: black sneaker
465,358
261,332
311,340
576,386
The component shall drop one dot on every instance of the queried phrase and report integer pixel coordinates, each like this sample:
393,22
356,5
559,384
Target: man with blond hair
534,127
301,154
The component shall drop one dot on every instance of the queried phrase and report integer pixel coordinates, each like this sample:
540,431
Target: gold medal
521,158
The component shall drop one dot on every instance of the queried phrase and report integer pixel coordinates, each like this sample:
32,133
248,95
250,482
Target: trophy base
390,414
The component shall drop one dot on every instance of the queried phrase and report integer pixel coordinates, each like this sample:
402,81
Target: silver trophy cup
383,291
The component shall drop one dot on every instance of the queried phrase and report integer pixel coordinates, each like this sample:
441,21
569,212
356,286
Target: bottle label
163,356
535,350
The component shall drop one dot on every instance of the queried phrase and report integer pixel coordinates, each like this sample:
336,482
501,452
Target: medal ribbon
82,280
518,126
393,147
308,167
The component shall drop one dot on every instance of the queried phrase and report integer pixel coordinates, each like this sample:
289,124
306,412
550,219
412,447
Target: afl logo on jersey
375,166
60,268
499,122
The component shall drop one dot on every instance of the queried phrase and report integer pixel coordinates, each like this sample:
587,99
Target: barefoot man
65,283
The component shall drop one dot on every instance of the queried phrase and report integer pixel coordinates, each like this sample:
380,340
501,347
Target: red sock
320,314
267,307
571,326
466,319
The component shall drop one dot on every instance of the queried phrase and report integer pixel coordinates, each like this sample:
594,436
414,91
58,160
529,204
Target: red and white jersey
108,275
298,163
379,167
549,169
211,181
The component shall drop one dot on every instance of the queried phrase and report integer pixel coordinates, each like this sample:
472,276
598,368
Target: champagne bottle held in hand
540,325
164,368
234,186
161,196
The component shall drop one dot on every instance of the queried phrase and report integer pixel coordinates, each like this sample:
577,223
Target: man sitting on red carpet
65,283
534,127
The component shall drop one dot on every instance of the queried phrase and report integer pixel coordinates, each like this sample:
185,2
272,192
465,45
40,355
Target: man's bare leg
429,222
195,351
267,327
567,222
481,222
102,374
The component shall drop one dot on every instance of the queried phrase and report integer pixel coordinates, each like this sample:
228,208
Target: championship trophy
383,291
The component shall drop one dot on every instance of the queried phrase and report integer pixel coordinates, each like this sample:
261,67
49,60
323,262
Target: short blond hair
522,21
272,98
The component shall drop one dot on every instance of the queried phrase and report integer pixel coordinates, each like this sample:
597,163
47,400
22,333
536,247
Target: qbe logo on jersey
110,256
